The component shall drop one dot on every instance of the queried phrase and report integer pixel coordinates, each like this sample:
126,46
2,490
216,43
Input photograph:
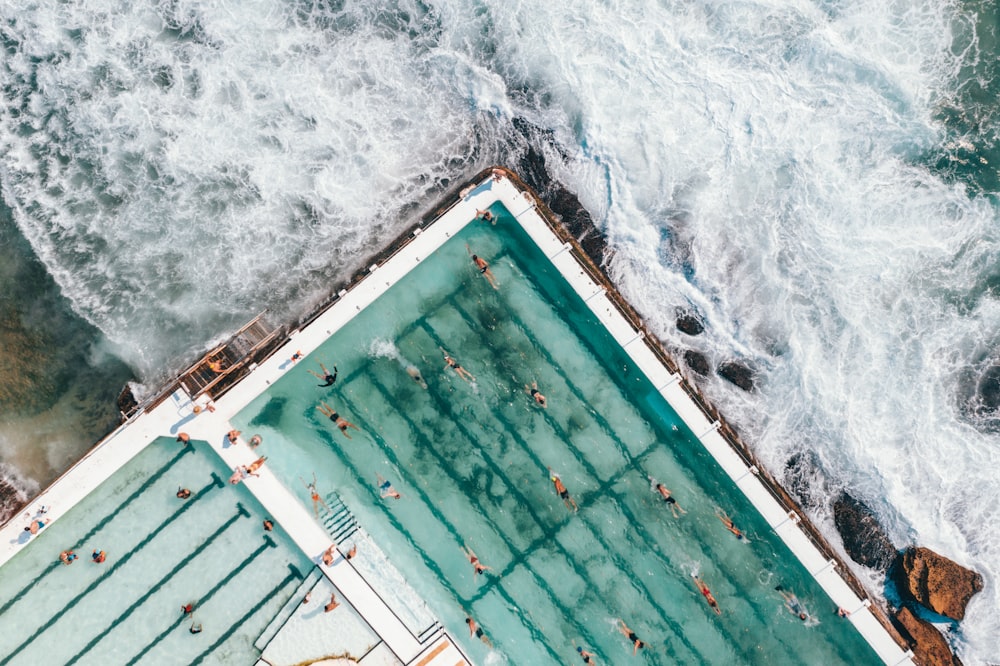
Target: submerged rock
738,373
864,538
929,646
688,322
697,362
935,582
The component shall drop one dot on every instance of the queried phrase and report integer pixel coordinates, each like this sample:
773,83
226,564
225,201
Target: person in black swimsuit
587,656
484,268
339,420
477,631
636,643
536,394
327,377
459,370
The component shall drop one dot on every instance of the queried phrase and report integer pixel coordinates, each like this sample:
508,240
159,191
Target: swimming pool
470,460
162,552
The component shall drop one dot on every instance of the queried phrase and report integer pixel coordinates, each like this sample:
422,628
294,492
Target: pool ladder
339,522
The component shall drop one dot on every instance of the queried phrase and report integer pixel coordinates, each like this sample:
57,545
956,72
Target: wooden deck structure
223,366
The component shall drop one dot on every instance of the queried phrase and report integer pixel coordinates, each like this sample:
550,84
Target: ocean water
817,180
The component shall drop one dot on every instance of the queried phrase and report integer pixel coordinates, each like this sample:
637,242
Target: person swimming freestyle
327,377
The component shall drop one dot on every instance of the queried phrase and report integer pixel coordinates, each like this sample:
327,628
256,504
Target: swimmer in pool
459,370
476,564
628,633
339,420
728,522
476,630
485,216
536,394
415,375
256,441
793,604
327,377
183,493
484,268
184,438
98,556
665,495
386,490
563,493
67,556
588,657
707,593
314,495
333,603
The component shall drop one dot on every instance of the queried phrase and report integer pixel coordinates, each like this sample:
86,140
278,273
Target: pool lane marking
432,508
99,525
327,437
188,559
630,462
268,543
217,482
429,562
516,437
294,575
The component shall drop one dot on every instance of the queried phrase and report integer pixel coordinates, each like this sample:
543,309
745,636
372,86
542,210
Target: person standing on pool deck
476,564
386,489
536,394
666,497
314,495
339,420
328,378
477,631
484,268
628,633
728,522
563,493
459,370
707,593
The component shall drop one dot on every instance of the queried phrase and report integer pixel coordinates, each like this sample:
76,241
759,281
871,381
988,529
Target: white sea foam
752,160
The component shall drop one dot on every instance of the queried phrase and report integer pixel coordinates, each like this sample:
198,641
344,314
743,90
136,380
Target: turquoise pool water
162,553
470,461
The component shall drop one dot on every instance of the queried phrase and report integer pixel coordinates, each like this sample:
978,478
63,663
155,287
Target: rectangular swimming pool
470,459
162,552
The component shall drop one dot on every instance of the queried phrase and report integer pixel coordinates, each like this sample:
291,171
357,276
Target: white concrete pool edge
119,447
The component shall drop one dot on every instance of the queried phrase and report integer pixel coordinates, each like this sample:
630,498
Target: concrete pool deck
175,414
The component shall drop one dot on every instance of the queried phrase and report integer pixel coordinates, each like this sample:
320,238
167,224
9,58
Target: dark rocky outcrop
688,322
989,389
11,500
929,646
737,373
800,475
697,362
864,538
935,582
532,169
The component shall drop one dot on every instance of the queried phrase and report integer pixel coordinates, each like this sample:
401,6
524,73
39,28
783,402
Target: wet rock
864,538
688,322
127,403
697,362
929,646
737,373
533,171
801,472
11,500
935,582
989,389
